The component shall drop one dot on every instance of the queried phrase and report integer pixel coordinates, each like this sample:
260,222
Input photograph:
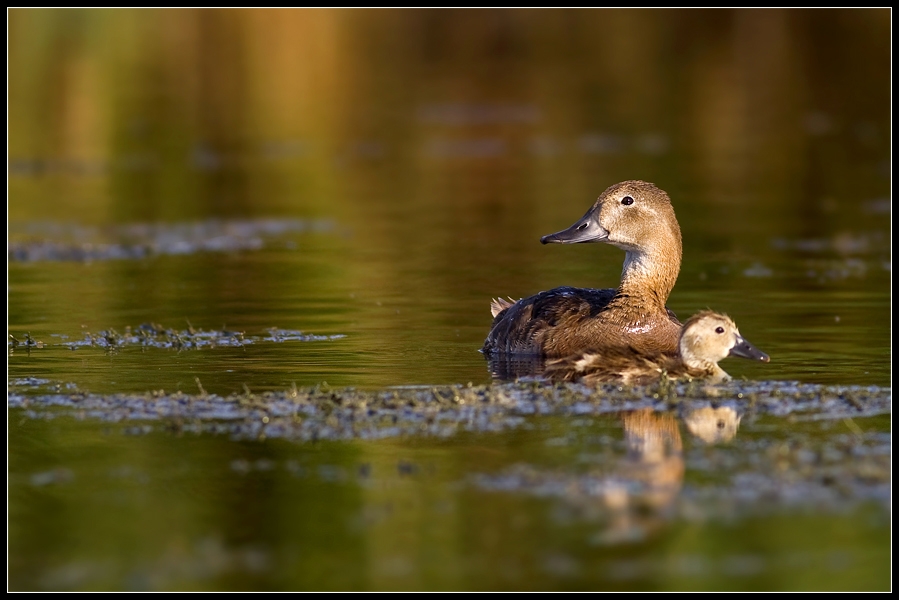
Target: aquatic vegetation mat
321,412
157,336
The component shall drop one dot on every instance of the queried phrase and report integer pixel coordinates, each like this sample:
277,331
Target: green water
371,179
101,507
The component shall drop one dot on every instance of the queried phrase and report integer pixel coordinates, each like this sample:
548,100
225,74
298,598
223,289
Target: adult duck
706,338
637,217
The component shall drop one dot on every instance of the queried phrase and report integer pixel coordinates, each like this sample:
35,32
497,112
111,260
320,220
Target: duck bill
744,349
586,229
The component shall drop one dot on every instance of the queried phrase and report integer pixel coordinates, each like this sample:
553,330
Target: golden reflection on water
155,95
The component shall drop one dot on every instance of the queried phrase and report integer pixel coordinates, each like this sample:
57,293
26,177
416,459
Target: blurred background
335,195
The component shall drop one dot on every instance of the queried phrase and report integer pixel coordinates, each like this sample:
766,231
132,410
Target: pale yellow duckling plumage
637,217
707,337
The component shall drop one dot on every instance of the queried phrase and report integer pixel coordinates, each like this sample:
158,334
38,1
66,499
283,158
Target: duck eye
719,329
627,200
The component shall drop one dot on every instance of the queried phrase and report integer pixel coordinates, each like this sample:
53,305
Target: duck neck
649,276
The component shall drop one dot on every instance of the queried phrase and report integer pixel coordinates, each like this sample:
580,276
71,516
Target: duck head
631,215
637,217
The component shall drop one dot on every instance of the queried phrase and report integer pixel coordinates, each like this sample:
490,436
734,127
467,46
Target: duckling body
637,217
706,338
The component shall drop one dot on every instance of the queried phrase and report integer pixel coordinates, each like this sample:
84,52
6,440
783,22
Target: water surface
229,203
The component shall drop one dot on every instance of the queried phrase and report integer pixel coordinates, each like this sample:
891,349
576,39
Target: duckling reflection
637,217
706,338
713,424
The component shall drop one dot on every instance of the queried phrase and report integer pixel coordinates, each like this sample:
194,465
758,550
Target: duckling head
708,337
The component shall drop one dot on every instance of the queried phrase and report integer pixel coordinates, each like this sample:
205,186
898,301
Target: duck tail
498,305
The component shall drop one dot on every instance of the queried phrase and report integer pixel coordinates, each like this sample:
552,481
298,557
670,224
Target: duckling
706,338
637,217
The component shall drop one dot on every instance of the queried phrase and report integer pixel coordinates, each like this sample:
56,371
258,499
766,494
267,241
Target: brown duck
706,338
637,217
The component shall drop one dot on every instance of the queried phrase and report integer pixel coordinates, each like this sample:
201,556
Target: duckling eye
627,200
719,329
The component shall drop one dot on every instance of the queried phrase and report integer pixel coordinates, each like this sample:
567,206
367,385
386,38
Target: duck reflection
654,459
511,367
639,492
634,495
642,491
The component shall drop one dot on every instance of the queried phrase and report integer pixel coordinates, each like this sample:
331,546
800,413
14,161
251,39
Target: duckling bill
706,338
637,217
